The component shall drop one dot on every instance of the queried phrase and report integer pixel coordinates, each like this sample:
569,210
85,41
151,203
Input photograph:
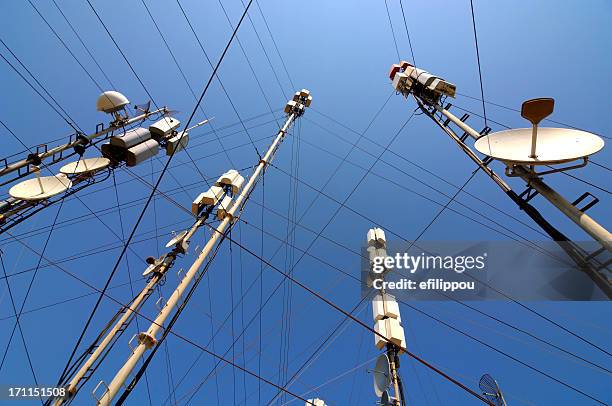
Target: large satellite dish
83,166
554,145
382,375
491,390
40,187
539,146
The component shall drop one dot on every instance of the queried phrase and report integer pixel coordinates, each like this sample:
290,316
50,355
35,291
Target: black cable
392,31
275,44
116,266
484,109
75,32
195,97
518,111
28,290
23,340
407,34
390,230
409,353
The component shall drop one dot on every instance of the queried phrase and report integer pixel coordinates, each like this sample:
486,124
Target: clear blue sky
341,51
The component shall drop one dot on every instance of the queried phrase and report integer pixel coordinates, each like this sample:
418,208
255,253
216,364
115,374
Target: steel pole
131,310
147,340
28,161
583,220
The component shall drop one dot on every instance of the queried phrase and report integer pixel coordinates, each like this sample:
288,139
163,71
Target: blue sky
341,51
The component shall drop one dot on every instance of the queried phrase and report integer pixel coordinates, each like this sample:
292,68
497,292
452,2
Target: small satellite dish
40,187
111,101
491,391
154,264
382,374
176,239
82,166
554,145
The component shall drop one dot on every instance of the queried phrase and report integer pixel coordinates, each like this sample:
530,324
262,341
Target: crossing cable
193,93
66,46
247,59
364,325
484,109
275,44
392,31
229,99
23,340
176,315
265,52
140,217
518,111
183,338
359,254
308,361
407,33
403,158
127,262
548,166
145,88
37,91
390,230
74,31
334,379
28,290
412,355
253,318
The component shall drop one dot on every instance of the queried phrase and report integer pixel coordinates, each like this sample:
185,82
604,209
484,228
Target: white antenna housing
111,101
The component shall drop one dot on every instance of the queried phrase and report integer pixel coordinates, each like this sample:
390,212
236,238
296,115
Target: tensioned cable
172,332
263,16
261,89
28,290
156,184
307,362
12,299
336,307
484,109
407,33
563,172
38,92
76,34
301,285
518,111
229,99
265,53
352,251
390,230
392,31
347,314
403,158
195,97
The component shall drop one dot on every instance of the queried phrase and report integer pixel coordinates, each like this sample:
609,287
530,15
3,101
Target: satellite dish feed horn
536,110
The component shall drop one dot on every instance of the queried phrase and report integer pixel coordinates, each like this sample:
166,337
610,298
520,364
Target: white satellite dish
382,375
554,145
40,187
82,166
539,146
176,239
